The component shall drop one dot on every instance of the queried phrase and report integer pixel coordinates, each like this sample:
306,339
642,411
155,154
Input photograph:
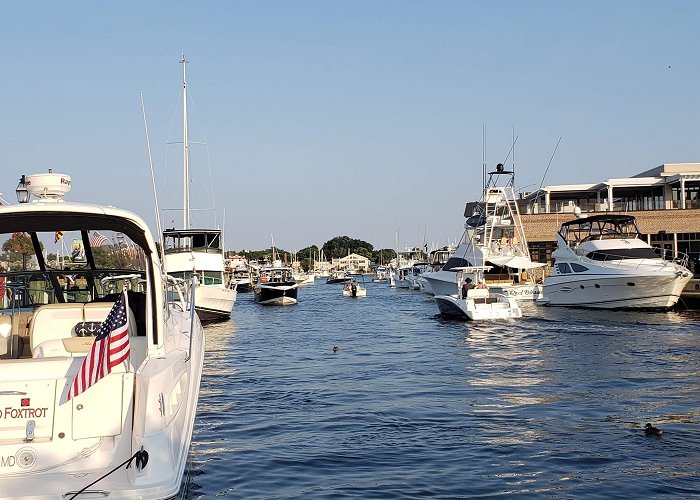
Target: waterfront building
353,262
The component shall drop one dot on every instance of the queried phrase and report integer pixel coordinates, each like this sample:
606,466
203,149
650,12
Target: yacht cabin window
578,268
564,268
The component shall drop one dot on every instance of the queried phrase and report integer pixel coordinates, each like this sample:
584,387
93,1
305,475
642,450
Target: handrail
193,313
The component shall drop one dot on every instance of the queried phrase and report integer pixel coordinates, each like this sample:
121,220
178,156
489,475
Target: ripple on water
414,406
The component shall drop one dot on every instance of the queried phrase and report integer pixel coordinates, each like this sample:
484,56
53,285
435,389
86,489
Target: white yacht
95,442
477,302
493,236
198,252
602,262
409,265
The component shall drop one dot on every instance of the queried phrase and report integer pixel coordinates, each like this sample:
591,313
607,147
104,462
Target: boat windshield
40,268
454,262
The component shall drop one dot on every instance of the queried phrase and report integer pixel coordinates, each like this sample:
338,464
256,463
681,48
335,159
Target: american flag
110,348
97,239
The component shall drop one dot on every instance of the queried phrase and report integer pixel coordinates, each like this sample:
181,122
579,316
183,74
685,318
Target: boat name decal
10,412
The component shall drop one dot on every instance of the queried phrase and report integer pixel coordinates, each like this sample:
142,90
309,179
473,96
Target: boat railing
192,288
178,292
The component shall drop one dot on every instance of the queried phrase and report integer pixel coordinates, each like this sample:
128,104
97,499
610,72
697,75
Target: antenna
153,179
539,189
513,159
483,157
512,147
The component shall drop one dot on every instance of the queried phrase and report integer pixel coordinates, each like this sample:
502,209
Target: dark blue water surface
551,405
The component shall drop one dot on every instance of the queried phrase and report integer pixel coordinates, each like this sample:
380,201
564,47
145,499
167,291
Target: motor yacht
602,262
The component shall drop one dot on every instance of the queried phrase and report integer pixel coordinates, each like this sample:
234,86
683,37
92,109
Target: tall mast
185,150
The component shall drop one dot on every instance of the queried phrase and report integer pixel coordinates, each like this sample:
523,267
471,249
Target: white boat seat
65,329
54,321
478,293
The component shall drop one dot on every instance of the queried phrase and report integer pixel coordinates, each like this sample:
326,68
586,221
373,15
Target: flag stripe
111,347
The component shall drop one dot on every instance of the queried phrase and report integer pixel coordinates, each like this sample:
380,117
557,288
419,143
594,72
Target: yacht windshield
46,267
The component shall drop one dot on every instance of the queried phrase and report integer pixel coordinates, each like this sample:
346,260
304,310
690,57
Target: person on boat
466,286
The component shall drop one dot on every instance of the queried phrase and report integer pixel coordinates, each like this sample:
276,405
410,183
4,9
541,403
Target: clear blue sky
358,118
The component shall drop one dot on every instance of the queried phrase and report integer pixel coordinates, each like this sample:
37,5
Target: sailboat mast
185,150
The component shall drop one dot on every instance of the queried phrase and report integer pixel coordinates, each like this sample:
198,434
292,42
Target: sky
316,119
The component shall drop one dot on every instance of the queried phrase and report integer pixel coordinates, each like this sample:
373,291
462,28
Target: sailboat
199,253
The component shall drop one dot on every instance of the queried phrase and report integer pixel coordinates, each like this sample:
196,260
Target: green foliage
383,255
19,247
341,246
111,258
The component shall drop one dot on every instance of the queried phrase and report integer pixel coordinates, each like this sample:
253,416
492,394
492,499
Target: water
551,405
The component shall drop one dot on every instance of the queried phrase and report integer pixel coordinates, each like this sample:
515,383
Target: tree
341,246
20,244
383,256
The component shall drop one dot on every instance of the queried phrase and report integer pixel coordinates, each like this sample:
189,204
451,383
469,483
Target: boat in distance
276,286
59,436
602,262
196,252
354,289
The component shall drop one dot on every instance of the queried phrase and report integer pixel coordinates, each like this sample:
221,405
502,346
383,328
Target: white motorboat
354,289
479,303
409,265
57,441
198,252
493,236
602,262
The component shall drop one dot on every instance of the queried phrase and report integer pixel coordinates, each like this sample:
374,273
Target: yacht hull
627,291
280,294
445,283
214,303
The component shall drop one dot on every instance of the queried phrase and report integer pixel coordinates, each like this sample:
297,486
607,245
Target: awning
515,262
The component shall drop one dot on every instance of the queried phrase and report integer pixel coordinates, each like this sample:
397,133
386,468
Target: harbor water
410,405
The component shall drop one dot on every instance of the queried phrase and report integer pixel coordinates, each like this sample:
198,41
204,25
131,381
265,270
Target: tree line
335,248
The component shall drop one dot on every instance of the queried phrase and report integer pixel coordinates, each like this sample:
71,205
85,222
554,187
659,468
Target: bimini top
600,227
605,218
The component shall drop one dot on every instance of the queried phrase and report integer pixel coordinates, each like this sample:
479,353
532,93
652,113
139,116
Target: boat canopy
600,226
514,261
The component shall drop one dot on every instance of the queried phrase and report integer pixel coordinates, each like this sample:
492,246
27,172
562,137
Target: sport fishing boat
103,301
198,252
602,262
477,303
493,237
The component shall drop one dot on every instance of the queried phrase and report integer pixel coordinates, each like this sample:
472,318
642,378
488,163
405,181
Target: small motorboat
354,289
338,277
477,303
